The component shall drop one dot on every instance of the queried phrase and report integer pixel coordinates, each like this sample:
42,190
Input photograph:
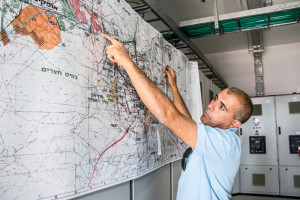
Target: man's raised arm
177,98
153,98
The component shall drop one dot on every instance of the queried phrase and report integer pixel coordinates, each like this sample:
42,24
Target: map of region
71,120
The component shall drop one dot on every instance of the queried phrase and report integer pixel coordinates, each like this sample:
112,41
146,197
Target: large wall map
71,121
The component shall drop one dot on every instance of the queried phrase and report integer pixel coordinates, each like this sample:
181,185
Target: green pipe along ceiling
240,24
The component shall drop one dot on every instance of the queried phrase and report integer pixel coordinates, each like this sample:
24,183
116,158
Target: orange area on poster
3,37
41,25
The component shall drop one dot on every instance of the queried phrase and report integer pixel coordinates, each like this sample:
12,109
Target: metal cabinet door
259,179
289,180
261,123
288,123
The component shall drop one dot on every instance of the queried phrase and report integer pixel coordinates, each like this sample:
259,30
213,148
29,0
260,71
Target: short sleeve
215,143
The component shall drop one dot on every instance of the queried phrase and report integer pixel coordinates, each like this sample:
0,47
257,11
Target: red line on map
104,152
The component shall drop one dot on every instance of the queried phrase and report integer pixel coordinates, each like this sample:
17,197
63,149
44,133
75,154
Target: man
210,165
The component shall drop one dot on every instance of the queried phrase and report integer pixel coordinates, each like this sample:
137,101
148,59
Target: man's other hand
116,52
171,76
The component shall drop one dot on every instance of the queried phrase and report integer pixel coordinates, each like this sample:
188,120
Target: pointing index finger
113,40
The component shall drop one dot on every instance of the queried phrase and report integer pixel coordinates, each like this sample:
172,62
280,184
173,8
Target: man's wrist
128,64
174,87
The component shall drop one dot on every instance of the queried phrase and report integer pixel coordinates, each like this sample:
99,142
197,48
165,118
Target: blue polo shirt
212,166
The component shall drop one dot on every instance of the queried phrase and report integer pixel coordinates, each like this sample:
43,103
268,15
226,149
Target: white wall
233,66
281,69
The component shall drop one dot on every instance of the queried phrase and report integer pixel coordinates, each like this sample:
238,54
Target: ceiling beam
142,9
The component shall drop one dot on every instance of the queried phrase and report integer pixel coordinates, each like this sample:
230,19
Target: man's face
220,111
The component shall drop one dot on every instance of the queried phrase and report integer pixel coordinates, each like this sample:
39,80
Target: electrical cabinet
288,132
259,134
288,122
259,161
270,162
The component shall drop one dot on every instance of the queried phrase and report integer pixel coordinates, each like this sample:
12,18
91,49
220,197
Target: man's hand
116,52
171,76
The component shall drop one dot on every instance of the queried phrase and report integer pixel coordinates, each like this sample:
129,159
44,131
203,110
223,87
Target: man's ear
235,124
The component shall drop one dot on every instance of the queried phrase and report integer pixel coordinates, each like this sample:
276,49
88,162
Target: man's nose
211,105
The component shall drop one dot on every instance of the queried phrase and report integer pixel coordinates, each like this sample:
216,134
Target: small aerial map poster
70,120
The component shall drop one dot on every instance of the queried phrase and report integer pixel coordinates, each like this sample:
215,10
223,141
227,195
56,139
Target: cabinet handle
279,130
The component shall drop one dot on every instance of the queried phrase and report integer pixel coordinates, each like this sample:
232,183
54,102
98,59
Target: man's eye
222,108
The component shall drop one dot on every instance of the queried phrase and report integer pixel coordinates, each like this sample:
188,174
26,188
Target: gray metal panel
271,179
287,175
121,191
155,185
217,89
176,175
206,93
208,86
289,125
202,87
266,127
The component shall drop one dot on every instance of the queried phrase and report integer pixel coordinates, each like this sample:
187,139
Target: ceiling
184,10
180,10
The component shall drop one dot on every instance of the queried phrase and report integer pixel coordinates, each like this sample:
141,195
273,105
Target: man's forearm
162,108
153,98
178,102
